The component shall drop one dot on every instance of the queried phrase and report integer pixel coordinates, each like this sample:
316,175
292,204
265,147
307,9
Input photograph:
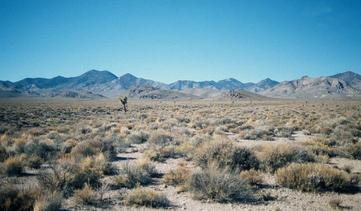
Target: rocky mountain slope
100,84
320,87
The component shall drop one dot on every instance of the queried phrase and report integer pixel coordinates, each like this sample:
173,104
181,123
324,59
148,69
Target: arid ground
182,155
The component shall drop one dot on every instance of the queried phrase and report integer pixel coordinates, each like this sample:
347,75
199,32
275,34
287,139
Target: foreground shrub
355,151
161,154
161,138
49,202
313,177
219,185
138,137
178,176
45,150
278,156
132,174
85,196
14,166
147,197
17,198
225,154
252,176
3,153
67,176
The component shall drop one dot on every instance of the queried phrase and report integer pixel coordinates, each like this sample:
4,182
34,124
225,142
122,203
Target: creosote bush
147,197
219,185
313,177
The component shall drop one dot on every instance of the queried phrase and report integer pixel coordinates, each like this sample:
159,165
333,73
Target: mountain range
104,84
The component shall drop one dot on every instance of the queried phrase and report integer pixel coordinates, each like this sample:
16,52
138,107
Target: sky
168,40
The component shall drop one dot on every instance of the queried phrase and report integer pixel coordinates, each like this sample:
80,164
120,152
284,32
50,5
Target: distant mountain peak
128,76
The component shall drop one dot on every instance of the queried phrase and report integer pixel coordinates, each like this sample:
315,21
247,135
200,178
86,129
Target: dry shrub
49,202
68,145
34,161
147,197
138,137
226,154
86,148
85,196
274,157
44,149
252,176
98,164
161,138
178,176
335,203
17,198
3,153
219,185
69,174
14,166
313,177
355,150
161,154
133,174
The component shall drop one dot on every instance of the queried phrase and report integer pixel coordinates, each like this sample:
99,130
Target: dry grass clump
355,150
257,134
131,175
44,149
18,198
49,202
86,148
138,137
161,138
161,154
226,154
178,176
147,197
219,185
70,174
68,145
313,177
85,196
14,166
3,153
335,203
274,157
252,176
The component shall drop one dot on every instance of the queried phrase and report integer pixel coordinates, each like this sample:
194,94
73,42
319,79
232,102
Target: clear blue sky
166,40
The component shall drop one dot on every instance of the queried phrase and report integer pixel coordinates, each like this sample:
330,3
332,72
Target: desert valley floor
181,155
